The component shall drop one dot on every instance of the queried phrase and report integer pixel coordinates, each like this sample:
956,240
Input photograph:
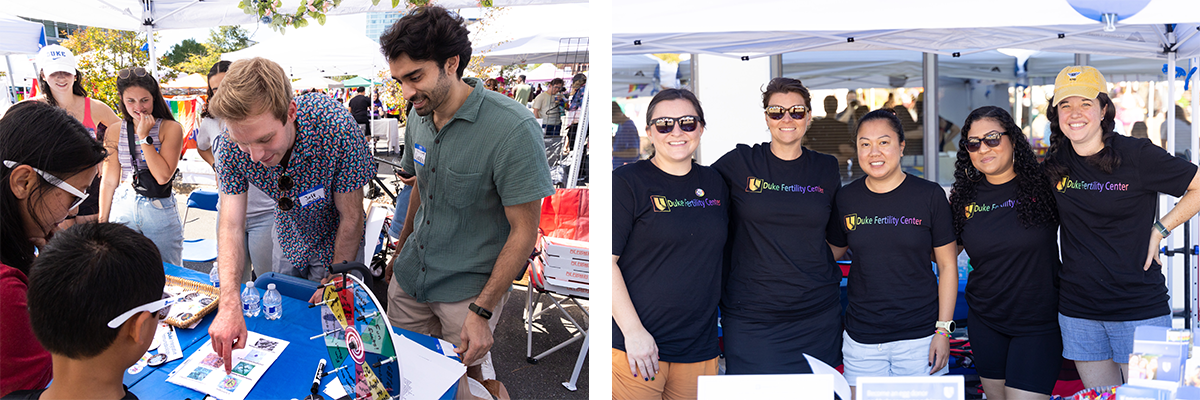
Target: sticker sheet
204,370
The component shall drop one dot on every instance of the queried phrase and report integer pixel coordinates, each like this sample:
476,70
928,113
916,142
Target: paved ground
523,380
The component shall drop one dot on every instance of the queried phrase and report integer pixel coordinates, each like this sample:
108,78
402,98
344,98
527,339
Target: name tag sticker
419,154
312,195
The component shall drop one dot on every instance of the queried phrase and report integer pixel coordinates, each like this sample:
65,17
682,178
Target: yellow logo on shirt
851,222
660,204
754,185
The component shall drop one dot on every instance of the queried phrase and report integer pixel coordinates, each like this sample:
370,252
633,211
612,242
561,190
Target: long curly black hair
1035,201
1106,159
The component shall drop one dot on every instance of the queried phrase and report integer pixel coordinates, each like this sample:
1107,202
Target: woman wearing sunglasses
1107,188
150,139
781,297
669,227
900,315
49,159
1005,217
61,86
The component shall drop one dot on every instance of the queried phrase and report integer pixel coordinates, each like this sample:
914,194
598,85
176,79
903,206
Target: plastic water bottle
272,303
214,276
250,300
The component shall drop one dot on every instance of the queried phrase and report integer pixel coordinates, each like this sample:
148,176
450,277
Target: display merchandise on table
204,370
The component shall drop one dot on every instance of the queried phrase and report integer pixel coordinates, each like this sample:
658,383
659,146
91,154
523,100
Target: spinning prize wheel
358,338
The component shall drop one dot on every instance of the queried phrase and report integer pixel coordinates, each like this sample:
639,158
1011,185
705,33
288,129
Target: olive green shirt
489,156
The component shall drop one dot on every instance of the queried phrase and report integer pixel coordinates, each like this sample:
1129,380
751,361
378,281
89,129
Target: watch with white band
947,325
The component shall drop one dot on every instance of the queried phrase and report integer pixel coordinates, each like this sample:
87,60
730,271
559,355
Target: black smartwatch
483,312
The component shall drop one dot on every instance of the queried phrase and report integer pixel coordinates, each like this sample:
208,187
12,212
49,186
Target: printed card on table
204,370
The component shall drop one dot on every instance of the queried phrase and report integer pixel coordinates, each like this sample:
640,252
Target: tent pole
1082,59
776,66
932,136
1191,225
12,83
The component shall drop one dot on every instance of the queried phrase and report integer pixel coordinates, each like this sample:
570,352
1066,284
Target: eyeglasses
285,184
160,308
127,72
79,196
991,140
797,112
687,123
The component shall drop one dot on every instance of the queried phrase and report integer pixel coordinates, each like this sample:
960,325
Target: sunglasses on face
777,112
687,123
79,196
160,308
128,72
991,140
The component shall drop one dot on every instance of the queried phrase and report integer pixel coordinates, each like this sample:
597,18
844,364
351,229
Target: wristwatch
147,140
947,325
483,312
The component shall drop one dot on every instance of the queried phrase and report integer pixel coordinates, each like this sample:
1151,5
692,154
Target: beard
435,98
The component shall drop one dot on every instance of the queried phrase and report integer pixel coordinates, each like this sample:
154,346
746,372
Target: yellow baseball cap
1078,80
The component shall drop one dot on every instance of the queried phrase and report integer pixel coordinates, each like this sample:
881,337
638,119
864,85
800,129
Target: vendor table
390,128
292,373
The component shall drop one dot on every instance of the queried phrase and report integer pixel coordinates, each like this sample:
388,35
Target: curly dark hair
1035,201
1106,159
429,33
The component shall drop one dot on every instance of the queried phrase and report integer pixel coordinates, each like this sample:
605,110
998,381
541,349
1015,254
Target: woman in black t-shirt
781,298
1005,217
1107,188
900,316
670,221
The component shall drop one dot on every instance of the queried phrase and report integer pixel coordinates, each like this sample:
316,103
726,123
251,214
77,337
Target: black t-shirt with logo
892,286
780,265
1011,288
669,232
1106,225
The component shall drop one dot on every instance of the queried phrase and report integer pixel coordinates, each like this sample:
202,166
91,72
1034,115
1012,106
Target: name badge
312,195
419,154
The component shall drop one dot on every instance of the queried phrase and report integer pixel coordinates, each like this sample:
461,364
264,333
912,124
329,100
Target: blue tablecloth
291,374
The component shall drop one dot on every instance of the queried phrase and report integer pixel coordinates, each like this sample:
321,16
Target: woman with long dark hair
1107,188
900,315
48,160
150,136
780,298
61,85
669,224
260,208
1006,219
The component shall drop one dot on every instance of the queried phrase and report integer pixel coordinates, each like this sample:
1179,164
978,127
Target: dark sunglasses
285,184
991,140
127,72
776,112
687,123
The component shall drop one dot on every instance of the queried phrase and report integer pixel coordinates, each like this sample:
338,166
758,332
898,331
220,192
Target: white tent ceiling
318,50
20,36
945,27
180,14
630,71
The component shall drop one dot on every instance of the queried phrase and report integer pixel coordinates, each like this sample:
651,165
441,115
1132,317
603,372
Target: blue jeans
553,130
401,212
157,219
1093,340
260,244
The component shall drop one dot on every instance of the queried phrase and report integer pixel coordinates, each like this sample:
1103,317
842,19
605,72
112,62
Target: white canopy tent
151,15
20,37
636,75
332,49
520,36
1164,30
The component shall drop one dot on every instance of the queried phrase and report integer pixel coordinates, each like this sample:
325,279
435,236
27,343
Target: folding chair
200,250
564,215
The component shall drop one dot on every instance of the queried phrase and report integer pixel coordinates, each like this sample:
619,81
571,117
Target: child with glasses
93,330
48,161
149,139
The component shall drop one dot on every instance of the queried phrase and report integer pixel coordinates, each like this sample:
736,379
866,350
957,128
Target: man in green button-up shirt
481,175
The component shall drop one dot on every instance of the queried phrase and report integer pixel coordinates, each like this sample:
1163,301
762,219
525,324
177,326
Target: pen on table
317,379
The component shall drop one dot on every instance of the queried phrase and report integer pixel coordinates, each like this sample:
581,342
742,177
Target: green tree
228,38
199,63
180,52
101,53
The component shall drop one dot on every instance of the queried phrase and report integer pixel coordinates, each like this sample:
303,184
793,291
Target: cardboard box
565,248
1158,354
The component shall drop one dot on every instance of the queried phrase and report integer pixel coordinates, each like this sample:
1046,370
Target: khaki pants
673,381
440,320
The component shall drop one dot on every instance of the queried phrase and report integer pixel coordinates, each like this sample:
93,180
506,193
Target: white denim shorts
897,358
